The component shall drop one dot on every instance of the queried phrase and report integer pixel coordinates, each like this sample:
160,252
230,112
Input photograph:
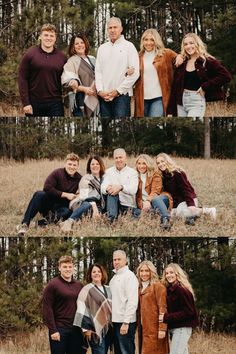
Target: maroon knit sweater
181,310
60,181
59,303
39,76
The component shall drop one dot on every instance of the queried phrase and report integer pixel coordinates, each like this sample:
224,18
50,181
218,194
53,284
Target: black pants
42,203
71,342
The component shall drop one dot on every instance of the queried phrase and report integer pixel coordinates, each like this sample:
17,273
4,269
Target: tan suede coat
152,302
165,70
153,188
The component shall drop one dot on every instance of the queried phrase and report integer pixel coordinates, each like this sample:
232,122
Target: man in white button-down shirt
124,290
113,85
120,184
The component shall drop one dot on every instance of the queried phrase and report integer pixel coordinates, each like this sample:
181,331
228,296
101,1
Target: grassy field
37,343
214,182
213,109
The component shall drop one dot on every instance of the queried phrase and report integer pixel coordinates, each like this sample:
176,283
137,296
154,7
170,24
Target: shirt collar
121,270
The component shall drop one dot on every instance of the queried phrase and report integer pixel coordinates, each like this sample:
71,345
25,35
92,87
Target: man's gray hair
119,151
120,252
116,19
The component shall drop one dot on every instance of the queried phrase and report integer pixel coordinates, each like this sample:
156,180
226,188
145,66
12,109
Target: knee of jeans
39,194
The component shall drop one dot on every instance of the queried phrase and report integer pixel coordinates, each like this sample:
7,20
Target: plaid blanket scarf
94,310
78,69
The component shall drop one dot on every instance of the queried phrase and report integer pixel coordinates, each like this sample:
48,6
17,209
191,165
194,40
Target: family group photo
165,185
117,177
122,296
105,67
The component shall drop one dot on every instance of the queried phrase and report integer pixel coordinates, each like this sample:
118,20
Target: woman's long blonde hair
201,47
181,275
159,45
153,273
171,166
149,162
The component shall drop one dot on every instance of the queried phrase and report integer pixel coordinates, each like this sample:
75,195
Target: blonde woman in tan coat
150,195
153,337
153,88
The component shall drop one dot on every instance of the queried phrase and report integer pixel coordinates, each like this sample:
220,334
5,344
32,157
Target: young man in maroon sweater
59,307
59,189
40,76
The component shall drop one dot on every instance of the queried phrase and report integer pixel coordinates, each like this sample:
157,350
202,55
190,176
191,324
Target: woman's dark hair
71,49
101,163
103,271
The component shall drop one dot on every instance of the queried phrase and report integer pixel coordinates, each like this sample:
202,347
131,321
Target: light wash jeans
183,211
194,105
179,340
153,107
161,203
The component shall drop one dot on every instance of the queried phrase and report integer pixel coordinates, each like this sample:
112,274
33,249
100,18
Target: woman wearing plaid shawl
93,313
78,78
89,197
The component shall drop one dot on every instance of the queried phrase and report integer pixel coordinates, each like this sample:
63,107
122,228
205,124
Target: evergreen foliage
35,138
20,23
28,264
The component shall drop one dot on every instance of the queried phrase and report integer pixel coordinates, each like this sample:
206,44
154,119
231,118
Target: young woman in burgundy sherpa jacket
181,316
199,79
175,182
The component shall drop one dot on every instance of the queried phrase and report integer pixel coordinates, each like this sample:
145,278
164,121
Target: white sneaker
22,229
66,226
211,212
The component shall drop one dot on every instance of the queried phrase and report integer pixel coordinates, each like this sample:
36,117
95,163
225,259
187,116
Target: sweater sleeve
132,298
50,185
98,72
221,75
186,311
48,303
186,188
23,79
133,61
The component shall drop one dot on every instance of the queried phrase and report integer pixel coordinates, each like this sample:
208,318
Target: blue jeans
161,204
119,107
48,109
124,344
100,348
79,102
81,210
179,340
114,208
194,105
153,107
71,342
42,203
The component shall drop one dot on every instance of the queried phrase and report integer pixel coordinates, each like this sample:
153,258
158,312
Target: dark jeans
124,344
119,107
72,342
101,348
49,109
114,208
42,203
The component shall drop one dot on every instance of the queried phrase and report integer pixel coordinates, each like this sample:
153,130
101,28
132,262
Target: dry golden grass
213,109
37,343
214,182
